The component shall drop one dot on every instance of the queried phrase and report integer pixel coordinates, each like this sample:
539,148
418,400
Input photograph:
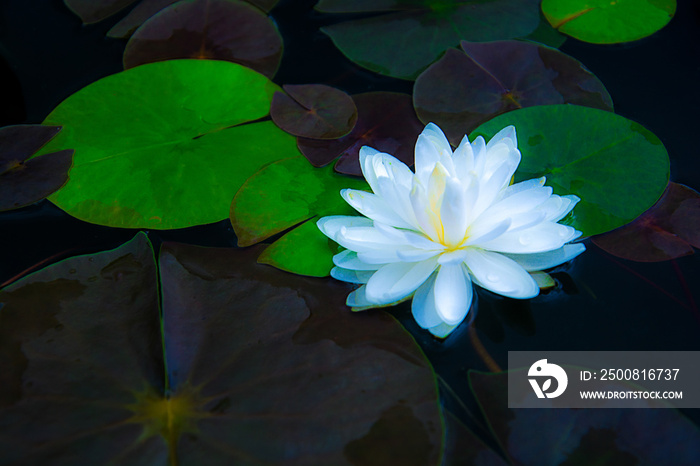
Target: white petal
436,188
506,136
397,196
452,257
378,165
523,185
366,155
331,225
559,206
363,239
357,299
484,232
437,137
423,305
398,172
523,207
471,196
432,147
415,255
372,206
463,159
371,239
399,254
526,220
379,257
395,281
523,201
348,260
539,238
400,246
501,155
500,274
453,212
491,188
453,293
443,330
479,151
421,209
427,157
408,237
351,276
549,259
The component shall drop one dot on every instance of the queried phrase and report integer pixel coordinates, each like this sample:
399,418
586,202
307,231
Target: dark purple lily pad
24,181
560,436
229,30
314,111
465,89
250,365
408,35
668,230
93,11
386,122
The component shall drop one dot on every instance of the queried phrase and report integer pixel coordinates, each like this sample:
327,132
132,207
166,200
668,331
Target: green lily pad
167,144
314,111
411,34
285,194
667,231
560,436
608,21
93,11
229,30
303,250
465,89
23,181
617,167
242,364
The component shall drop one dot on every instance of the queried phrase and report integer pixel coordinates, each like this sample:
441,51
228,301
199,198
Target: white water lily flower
455,222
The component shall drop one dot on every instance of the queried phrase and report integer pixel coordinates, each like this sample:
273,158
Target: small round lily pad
314,111
608,21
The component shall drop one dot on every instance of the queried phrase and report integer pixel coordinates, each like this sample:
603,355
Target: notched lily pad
575,436
668,230
386,121
24,181
617,167
465,89
248,364
303,250
409,35
608,21
314,111
229,30
285,194
166,144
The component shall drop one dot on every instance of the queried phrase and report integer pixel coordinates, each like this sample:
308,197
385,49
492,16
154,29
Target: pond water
602,302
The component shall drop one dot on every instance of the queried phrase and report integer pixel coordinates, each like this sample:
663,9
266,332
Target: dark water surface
604,303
